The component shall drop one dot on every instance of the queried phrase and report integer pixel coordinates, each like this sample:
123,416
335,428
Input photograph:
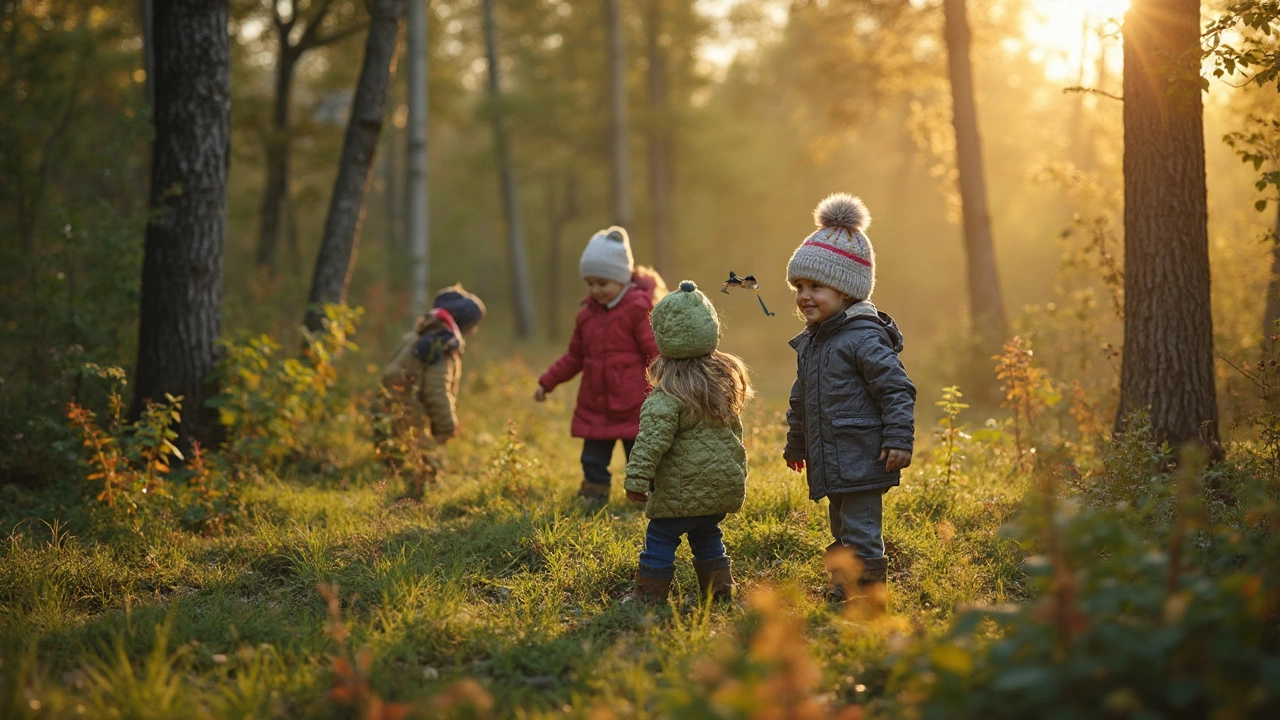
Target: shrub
268,399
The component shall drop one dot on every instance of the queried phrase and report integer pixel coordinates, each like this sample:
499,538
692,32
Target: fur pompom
842,210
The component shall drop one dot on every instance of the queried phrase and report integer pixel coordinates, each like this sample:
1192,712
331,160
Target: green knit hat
685,323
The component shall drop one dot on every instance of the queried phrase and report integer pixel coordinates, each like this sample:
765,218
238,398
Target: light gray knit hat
685,323
838,254
608,256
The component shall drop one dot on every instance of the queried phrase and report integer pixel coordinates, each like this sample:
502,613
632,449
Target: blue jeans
596,455
856,522
658,560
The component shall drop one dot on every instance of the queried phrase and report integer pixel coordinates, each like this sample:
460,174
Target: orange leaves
351,684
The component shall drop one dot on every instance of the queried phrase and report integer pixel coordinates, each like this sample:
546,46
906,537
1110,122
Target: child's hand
637,497
540,395
795,465
442,439
894,459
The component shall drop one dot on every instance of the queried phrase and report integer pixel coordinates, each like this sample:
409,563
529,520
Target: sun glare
1063,33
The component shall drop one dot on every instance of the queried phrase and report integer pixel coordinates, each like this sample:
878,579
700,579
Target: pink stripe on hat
838,251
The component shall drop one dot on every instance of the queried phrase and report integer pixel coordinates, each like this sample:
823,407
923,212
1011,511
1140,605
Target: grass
494,591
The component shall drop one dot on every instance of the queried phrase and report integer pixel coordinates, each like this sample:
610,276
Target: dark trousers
658,560
856,523
596,455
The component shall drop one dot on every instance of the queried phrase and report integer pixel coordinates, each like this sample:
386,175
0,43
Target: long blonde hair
711,387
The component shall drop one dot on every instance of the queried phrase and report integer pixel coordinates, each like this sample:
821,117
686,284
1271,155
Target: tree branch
1091,91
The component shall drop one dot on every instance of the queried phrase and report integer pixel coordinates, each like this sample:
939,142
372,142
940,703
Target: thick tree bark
337,255
659,143
521,288
986,301
619,161
416,205
1168,328
183,258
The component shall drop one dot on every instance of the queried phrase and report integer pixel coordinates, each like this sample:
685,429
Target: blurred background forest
749,111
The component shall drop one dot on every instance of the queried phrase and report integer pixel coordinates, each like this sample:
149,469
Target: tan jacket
429,391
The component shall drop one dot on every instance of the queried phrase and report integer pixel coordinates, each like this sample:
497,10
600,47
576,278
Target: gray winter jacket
851,398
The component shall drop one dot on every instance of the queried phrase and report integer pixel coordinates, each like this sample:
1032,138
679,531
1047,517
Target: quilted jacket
611,347
689,468
851,399
425,370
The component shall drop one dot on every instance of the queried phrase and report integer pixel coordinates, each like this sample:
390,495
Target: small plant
106,464
131,464
1027,388
211,501
351,686
950,432
511,466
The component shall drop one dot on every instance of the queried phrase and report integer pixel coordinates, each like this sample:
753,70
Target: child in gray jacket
852,409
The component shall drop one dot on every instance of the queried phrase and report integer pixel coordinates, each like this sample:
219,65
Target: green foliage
270,399
1157,600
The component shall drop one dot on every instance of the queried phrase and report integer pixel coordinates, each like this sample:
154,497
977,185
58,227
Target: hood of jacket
863,313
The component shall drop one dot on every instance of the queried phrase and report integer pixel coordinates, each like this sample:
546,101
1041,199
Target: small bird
746,282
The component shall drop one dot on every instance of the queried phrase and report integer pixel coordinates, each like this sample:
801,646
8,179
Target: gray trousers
856,523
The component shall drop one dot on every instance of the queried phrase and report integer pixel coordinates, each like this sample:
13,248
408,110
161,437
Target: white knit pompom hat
608,256
838,254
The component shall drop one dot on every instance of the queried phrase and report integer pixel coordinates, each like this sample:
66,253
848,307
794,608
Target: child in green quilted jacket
689,466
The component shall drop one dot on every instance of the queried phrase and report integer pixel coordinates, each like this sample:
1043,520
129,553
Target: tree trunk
521,289
346,206
275,195
149,50
659,144
1167,368
986,302
621,185
1272,311
416,207
183,257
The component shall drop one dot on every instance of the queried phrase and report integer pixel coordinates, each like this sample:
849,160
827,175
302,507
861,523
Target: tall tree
183,256
417,228
305,27
1271,311
986,301
1167,368
619,161
337,255
659,141
521,288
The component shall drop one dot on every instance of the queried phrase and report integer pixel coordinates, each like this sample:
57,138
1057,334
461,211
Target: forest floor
495,576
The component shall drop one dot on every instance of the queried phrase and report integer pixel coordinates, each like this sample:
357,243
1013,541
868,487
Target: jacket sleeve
795,449
643,332
438,393
568,365
659,420
891,388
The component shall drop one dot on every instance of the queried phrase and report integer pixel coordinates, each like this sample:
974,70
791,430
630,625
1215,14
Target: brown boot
651,590
873,583
715,579
593,496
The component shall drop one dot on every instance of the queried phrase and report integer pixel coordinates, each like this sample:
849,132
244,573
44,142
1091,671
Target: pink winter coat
612,349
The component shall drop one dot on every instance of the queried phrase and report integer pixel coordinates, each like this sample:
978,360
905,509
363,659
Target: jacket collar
863,310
